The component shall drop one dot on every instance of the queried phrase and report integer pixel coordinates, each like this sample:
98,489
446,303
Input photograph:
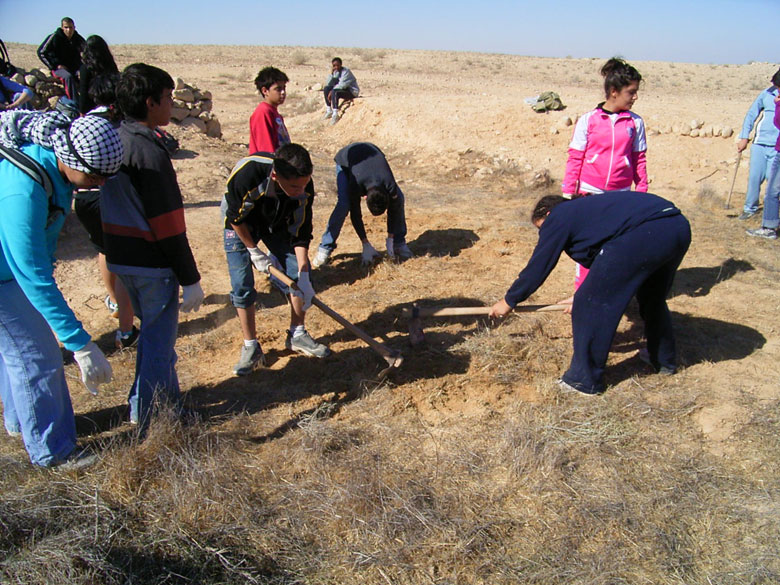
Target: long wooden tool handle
381,349
733,181
464,311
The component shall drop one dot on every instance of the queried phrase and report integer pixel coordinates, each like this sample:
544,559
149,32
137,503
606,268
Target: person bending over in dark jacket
633,244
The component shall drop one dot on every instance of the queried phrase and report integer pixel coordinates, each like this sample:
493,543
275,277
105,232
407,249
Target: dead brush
519,350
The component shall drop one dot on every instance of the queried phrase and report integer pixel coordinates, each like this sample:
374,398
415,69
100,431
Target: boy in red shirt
267,131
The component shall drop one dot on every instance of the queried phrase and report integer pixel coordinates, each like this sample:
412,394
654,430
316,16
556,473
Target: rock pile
47,88
192,109
694,128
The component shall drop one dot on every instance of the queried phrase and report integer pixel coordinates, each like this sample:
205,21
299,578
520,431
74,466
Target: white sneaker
328,114
321,257
334,118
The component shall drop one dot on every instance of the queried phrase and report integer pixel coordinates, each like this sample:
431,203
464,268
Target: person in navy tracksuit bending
633,243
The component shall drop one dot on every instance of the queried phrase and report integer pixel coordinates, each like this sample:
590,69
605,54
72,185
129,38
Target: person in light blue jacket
36,402
762,151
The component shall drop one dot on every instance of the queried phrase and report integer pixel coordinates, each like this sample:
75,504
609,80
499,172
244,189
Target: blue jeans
155,301
32,380
761,159
771,217
241,270
348,202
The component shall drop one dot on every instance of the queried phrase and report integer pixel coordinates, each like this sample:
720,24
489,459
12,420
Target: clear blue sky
699,31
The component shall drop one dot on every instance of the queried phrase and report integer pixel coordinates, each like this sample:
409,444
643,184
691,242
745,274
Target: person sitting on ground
61,53
762,150
86,204
14,96
33,389
362,171
770,220
633,244
341,84
267,131
96,60
145,237
269,198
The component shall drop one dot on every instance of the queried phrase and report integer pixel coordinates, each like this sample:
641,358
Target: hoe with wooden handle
414,315
393,357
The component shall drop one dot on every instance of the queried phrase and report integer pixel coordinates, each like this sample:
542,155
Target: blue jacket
580,228
766,132
27,244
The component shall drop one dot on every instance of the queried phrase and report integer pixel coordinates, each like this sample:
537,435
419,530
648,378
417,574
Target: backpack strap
33,169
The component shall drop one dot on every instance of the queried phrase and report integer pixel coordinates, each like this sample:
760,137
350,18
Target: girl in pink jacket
609,147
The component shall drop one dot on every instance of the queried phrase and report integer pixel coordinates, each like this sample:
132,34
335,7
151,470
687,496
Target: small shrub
298,58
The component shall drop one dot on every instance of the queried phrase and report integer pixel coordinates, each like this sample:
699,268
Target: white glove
95,369
369,254
260,260
192,297
305,289
389,245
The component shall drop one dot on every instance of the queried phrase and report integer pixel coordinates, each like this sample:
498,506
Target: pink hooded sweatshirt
607,153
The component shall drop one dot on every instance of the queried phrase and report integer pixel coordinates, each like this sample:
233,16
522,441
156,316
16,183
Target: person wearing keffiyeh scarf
36,402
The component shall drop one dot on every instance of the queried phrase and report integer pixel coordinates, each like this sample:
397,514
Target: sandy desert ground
465,149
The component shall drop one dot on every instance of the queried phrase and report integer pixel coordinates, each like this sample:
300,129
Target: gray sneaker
763,232
304,344
251,359
746,215
78,459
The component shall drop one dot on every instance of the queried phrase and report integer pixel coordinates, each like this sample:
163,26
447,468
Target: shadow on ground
698,281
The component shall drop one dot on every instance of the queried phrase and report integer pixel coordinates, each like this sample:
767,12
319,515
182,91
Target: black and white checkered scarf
89,144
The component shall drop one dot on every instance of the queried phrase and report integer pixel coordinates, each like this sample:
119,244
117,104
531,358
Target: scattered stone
195,123
541,179
185,94
554,130
694,133
696,124
685,131
727,132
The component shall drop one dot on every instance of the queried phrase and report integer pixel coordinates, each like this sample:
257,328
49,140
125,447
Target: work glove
389,246
95,369
192,297
369,254
260,260
305,290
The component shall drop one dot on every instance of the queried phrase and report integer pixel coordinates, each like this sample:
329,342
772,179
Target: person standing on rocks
762,151
362,171
341,84
61,53
608,151
267,131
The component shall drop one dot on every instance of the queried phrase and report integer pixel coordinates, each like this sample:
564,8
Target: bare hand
500,310
742,144
569,302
